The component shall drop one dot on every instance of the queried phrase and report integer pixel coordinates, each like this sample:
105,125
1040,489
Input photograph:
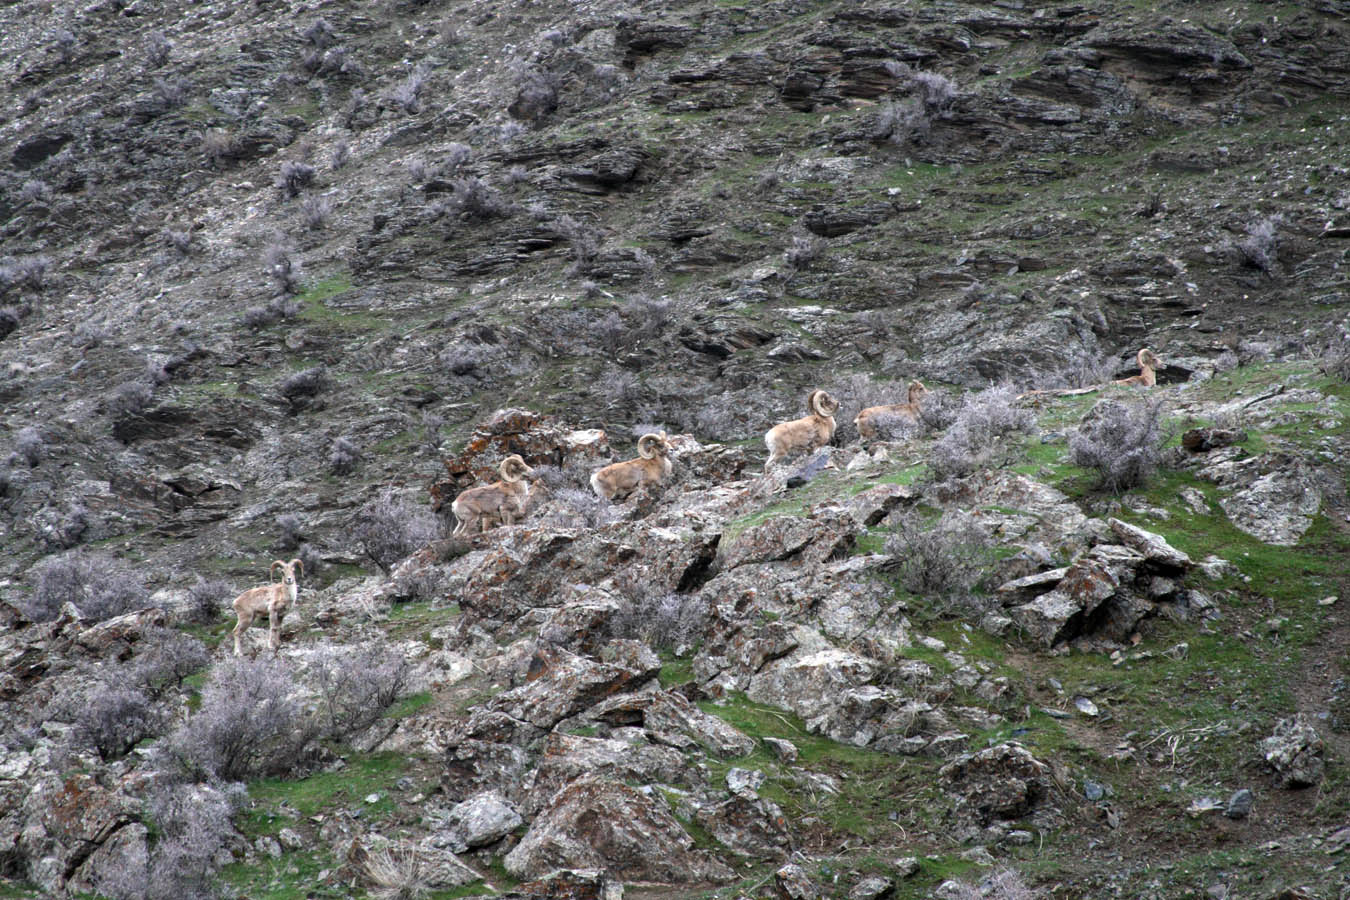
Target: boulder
568,757
1153,547
1059,614
571,884
481,820
669,718
996,784
1295,752
748,825
594,823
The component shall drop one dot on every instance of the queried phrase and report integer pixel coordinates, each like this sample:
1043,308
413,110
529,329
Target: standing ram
622,478
805,434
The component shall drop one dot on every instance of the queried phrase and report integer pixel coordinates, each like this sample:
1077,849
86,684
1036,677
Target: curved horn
299,564
512,468
1142,356
811,400
272,570
649,445
823,404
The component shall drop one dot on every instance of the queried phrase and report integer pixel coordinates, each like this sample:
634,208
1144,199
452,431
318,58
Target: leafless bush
356,684
178,239
170,94
474,199
397,874
341,155
585,240
1257,250
294,177
457,156
292,531
100,587
282,266
804,249
943,560
939,410
407,94
194,824
277,309
65,43
250,723
417,170
305,383
208,597
1079,370
389,529
673,622
29,272
936,92
972,439
509,131
34,191
128,399
855,393
29,446
343,456
314,211
536,93
218,146
1121,441
357,103
319,34
164,658
115,718
157,49
572,507
900,121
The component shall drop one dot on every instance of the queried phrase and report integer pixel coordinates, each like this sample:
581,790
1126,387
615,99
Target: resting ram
874,419
805,434
501,501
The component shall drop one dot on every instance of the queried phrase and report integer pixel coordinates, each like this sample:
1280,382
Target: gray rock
1153,547
792,883
744,782
598,824
1239,805
874,888
1057,615
782,749
290,839
748,825
483,819
1294,751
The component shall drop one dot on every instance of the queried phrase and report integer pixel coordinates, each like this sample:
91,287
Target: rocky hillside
278,281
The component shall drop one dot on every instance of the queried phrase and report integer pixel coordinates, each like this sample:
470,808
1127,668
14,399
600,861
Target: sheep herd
501,502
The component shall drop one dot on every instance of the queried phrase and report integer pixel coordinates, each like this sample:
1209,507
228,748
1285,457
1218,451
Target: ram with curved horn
874,419
652,466
499,501
272,600
805,434
1149,363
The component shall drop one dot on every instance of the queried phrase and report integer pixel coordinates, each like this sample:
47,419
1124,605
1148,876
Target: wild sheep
873,416
274,600
500,501
1148,363
805,434
620,479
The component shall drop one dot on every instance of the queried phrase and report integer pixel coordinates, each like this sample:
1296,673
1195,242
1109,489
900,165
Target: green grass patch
292,876
410,705
274,799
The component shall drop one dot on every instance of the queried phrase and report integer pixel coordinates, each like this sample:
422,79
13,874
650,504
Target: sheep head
916,391
513,469
1148,359
822,404
288,570
652,445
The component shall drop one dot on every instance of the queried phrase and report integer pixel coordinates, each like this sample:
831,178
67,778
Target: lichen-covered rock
597,824
750,825
792,883
1295,752
66,820
571,884
482,819
806,540
669,718
568,757
1272,497
811,683
1059,614
1000,783
1153,547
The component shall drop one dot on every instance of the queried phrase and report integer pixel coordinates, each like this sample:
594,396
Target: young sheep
868,420
499,501
274,600
1147,377
805,434
622,478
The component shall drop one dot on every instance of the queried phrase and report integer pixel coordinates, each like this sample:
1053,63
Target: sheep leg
507,519
245,620
274,629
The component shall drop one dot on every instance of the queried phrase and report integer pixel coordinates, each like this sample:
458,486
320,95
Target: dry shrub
389,529
1122,442
250,723
972,439
356,684
100,587
945,560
